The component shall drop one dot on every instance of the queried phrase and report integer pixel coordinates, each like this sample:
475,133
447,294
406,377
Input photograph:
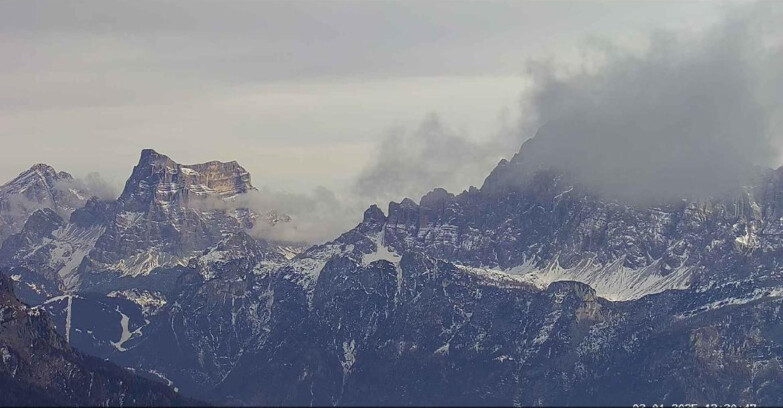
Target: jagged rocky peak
158,178
404,212
40,186
94,213
38,183
374,216
436,198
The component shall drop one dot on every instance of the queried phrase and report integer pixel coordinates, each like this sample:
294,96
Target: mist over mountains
618,243
690,115
687,114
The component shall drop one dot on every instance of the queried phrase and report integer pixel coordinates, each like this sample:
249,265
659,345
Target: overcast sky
300,93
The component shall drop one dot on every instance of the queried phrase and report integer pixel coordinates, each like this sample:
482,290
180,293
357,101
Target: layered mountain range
167,214
531,290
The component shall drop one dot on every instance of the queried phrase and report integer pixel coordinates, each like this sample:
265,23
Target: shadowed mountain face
533,290
39,367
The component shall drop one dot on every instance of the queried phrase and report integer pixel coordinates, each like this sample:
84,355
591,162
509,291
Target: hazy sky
300,93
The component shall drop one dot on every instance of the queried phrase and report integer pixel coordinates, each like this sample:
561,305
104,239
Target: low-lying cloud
313,217
92,185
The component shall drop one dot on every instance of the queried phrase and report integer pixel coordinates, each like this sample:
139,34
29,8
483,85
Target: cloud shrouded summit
688,117
412,163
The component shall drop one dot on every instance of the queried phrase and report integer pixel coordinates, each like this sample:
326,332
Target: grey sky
300,93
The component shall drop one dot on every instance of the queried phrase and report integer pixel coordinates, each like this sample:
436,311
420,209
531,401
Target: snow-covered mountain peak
40,186
41,178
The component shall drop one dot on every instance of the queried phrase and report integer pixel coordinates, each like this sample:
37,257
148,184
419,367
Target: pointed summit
40,174
374,215
40,186
148,153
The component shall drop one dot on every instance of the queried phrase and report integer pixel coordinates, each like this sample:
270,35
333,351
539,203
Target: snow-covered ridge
37,188
613,281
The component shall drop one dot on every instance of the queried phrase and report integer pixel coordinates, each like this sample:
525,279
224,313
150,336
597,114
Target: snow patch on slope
613,281
68,313
126,333
504,279
382,252
68,320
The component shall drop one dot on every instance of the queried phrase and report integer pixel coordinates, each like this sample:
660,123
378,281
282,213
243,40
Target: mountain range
533,289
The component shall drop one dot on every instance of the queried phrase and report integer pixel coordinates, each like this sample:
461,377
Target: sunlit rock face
159,181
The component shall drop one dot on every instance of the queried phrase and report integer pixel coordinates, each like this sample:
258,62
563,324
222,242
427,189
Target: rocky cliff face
25,255
548,227
218,311
39,367
167,214
158,182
